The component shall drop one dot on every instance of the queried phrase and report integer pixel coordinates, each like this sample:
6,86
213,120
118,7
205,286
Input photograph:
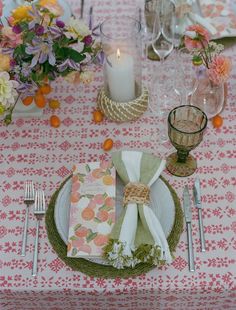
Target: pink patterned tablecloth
31,149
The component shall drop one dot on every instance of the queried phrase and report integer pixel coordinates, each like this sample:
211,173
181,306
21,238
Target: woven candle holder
123,111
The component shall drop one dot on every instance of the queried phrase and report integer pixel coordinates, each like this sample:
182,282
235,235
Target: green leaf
28,36
105,195
105,208
87,168
73,238
77,227
87,49
19,51
97,220
73,54
110,222
74,252
90,237
89,196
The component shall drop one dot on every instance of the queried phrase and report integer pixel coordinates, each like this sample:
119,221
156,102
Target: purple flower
42,51
68,63
88,40
12,63
60,23
39,30
16,29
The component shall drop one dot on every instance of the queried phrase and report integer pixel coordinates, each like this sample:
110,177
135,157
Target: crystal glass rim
185,132
136,22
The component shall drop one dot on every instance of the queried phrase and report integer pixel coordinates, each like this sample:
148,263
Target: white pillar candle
120,77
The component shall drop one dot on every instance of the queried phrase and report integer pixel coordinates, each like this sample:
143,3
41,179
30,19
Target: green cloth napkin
137,236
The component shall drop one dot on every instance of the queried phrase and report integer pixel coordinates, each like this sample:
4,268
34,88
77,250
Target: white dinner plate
162,204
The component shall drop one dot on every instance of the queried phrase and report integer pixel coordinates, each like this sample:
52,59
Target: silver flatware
28,200
91,18
81,9
39,211
198,204
188,220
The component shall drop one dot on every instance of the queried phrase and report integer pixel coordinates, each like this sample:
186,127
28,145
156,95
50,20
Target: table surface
31,149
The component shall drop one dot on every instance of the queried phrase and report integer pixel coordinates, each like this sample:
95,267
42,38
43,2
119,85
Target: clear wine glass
150,13
186,76
162,47
162,32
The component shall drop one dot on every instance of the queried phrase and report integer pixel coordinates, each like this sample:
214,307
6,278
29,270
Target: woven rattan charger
104,271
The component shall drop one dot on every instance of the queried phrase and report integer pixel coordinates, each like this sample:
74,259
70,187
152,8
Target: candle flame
118,53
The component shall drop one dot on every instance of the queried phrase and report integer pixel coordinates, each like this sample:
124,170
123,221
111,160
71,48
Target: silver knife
198,204
188,219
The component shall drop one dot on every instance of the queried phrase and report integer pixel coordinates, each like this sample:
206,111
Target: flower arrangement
207,53
36,47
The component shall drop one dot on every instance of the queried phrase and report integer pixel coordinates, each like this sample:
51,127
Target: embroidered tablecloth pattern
31,149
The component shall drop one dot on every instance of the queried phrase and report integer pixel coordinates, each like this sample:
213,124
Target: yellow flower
52,6
47,2
21,13
4,62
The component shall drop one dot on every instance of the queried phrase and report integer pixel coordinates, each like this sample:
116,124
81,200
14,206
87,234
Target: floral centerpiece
36,47
207,53
213,70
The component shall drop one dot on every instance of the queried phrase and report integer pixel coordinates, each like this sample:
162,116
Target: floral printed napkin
92,210
217,16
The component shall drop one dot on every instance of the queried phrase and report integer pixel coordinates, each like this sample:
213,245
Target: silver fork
28,200
39,211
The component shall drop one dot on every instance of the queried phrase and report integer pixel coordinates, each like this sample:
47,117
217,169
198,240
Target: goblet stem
182,156
184,98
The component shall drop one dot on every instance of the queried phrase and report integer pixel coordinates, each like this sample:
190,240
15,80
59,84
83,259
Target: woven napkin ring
136,193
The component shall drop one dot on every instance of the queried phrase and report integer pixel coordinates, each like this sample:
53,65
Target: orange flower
219,69
200,40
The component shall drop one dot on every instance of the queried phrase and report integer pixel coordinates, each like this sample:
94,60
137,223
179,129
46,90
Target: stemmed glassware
162,46
161,42
186,76
186,125
151,10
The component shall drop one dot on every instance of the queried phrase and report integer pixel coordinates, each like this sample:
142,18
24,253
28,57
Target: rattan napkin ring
135,192
122,111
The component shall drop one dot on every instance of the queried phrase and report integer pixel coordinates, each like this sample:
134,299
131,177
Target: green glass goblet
186,125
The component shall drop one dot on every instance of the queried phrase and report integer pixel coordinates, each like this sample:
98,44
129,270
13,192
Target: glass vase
208,96
121,43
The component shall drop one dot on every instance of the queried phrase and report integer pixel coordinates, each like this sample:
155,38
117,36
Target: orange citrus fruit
217,121
107,180
40,100
108,144
87,214
55,121
27,100
100,240
97,173
81,232
97,116
54,104
102,215
45,89
75,197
